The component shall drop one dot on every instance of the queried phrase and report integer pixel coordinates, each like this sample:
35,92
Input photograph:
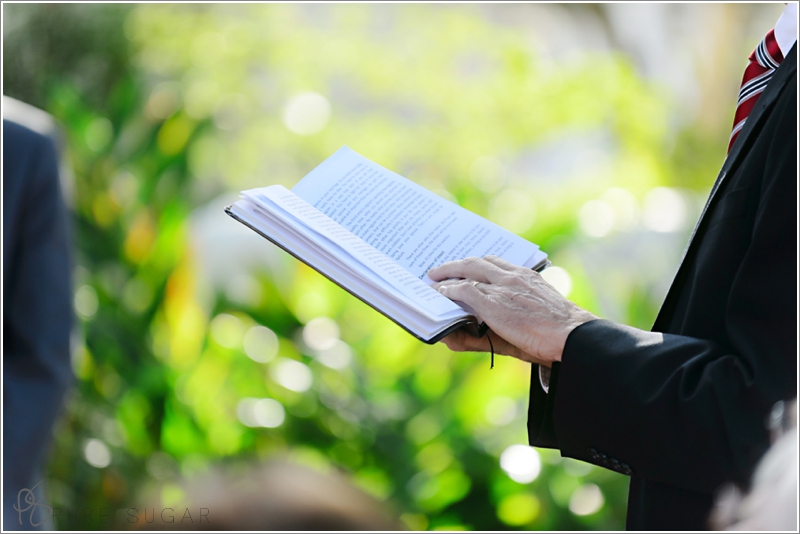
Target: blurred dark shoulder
31,144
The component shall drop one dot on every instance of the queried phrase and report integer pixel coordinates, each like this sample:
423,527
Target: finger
472,268
460,341
462,291
452,286
451,282
502,264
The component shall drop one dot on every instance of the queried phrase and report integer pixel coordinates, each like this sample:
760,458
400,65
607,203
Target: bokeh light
321,333
292,375
501,410
559,278
97,453
99,133
260,344
624,206
267,413
336,356
519,509
596,218
86,301
586,500
226,330
664,209
307,113
521,463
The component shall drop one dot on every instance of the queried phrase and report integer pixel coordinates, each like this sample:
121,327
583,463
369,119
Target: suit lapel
757,115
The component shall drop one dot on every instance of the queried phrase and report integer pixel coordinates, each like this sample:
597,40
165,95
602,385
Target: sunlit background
594,131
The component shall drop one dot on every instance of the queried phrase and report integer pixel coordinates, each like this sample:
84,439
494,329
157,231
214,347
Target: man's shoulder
24,151
17,138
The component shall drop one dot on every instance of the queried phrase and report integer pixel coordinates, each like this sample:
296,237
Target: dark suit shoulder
17,135
28,156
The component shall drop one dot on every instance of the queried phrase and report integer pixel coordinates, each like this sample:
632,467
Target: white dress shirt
786,29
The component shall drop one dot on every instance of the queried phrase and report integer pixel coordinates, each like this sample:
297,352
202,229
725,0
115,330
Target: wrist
579,317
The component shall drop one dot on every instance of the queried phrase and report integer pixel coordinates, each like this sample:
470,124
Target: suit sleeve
37,312
679,410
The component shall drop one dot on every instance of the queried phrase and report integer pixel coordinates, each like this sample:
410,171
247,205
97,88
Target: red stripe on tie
763,60
742,112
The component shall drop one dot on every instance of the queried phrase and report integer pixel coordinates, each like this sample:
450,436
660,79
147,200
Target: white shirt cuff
544,378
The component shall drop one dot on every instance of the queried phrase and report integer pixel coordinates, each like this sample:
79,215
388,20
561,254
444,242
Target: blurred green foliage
166,107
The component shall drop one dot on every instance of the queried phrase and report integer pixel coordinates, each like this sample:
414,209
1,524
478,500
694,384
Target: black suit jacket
682,409
37,312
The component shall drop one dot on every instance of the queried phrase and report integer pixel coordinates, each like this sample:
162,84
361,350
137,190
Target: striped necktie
764,60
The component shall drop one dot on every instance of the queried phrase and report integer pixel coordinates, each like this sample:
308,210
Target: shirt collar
786,28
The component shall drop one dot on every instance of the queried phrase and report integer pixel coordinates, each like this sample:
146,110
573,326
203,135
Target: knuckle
509,279
454,290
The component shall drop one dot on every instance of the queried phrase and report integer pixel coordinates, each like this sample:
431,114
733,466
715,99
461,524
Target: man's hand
532,319
461,341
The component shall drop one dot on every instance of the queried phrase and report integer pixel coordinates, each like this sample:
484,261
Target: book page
415,227
339,268
336,238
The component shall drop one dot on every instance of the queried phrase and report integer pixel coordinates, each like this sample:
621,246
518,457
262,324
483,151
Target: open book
376,234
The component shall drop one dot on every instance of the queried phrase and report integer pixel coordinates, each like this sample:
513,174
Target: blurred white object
307,113
771,503
34,118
